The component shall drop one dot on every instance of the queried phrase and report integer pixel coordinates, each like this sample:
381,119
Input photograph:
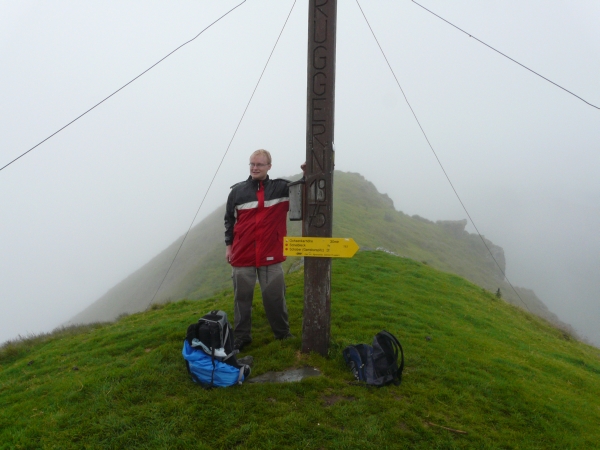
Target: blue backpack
376,365
209,355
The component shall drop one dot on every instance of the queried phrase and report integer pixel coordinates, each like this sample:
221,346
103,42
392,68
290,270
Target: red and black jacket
255,221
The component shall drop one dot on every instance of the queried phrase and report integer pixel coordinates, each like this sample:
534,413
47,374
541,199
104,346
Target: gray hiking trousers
272,286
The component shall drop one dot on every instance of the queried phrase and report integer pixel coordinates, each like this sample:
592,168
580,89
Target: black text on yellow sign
319,247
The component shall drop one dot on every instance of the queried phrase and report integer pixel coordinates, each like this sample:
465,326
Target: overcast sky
98,200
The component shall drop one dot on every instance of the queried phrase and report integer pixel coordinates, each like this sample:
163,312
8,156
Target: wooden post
318,198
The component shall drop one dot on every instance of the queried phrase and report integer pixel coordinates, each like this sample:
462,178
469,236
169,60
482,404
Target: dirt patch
403,426
333,399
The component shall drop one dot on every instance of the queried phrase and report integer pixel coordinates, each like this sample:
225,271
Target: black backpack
377,365
213,336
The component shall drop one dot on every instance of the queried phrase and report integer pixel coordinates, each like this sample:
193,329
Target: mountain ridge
360,212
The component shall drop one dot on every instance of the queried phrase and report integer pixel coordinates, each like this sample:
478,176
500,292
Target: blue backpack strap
212,376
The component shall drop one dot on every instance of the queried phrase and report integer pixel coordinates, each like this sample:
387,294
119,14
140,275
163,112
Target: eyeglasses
258,166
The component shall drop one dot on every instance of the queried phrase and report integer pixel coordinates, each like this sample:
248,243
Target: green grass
473,364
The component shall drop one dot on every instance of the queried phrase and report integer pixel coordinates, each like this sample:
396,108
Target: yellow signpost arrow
319,247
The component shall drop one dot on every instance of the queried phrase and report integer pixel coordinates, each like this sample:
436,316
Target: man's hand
228,254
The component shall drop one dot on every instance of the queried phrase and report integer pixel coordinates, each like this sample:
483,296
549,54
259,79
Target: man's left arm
229,221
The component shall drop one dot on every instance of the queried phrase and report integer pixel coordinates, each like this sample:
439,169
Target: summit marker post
318,198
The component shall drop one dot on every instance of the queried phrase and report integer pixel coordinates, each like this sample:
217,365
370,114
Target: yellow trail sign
319,247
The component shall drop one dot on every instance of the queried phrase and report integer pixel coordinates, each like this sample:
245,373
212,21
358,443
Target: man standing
255,225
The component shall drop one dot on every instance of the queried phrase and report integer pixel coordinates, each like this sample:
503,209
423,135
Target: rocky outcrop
454,227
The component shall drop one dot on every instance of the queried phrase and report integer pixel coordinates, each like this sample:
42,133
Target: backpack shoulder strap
397,346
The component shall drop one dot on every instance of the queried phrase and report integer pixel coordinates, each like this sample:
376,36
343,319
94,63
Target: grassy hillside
360,212
371,219
479,374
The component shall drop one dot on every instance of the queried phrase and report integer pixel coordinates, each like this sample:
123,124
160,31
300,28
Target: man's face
259,167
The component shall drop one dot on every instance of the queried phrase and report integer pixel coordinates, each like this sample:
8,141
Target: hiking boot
240,343
287,336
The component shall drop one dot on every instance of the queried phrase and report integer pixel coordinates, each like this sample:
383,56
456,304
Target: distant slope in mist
200,267
360,212
369,217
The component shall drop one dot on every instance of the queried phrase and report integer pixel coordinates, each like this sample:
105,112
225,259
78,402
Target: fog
99,199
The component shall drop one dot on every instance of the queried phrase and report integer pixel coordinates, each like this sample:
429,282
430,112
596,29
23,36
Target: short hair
264,153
